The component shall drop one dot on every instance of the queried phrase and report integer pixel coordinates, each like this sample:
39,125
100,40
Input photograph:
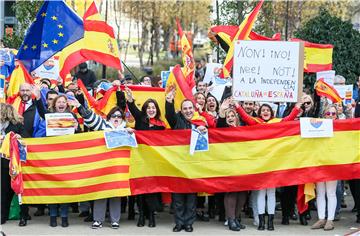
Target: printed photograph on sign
60,124
268,71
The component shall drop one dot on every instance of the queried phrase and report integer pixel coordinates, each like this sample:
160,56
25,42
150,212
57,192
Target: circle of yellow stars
54,41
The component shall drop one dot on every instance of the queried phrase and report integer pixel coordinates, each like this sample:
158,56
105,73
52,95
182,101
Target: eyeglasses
330,113
307,103
116,116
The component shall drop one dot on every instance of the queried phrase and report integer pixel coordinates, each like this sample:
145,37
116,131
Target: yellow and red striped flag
74,168
324,89
317,57
19,76
98,44
239,157
242,34
187,57
176,81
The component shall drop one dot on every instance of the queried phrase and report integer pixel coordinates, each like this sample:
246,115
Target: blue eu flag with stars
201,143
56,26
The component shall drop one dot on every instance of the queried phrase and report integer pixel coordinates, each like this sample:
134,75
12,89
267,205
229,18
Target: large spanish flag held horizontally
74,168
187,57
98,44
242,34
244,158
317,57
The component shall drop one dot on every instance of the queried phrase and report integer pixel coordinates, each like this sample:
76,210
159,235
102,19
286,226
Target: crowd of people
228,207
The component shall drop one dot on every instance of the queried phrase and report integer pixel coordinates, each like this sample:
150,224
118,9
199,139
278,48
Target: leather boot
232,225
53,222
303,220
261,222
139,202
152,223
270,225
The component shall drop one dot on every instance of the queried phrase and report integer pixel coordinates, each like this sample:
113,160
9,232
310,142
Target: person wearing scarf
148,118
184,203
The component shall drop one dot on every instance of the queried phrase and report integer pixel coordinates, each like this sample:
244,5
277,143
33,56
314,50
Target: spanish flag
242,33
176,81
305,193
187,57
239,157
10,148
317,57
326,90
98,44
74,168
19,76
228,32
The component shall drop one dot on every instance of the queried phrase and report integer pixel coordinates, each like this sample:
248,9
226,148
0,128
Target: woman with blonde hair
10,121
326,191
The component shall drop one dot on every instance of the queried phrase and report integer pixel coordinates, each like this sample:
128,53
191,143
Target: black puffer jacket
175,120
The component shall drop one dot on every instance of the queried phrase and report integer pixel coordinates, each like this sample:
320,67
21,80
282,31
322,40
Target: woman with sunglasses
148,118
233,201
266,115
326,191
114,121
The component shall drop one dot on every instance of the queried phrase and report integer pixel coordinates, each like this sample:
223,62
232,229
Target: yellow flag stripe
75,168
76,197
318,55
76,183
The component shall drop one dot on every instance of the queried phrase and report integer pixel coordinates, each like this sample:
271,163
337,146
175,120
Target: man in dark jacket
184,203
87,76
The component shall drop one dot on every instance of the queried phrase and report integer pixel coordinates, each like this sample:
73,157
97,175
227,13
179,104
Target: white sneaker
96,225
226,223
115,225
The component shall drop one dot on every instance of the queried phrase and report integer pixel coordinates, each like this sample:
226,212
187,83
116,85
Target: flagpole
218,23
131,72
104,67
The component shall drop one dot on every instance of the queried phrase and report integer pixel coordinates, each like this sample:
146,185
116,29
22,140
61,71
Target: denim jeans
339,195
64,209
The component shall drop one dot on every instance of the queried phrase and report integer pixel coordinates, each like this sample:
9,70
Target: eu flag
55,27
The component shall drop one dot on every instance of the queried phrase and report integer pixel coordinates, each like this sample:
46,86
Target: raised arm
293,114
91,119
249,120
170,113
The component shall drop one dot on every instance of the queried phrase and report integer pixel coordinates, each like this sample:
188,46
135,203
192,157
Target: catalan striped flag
187,57
241,34
98,44
317,57
239,157
324,89
74,168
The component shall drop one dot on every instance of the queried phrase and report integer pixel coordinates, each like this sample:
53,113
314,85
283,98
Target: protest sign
328,76
119,138
345,92
212,71
60,124
164,77
49,69
316,128
268,71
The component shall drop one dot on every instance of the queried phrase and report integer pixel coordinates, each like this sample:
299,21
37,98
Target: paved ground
39,226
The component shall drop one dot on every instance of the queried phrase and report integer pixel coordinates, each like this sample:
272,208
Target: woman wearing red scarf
146,119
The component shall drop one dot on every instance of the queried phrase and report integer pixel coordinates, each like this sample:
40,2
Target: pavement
164,221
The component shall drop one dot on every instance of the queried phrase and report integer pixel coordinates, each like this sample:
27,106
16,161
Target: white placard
345,92
60,124
212,70
316,128
328,76
268,71
49,69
